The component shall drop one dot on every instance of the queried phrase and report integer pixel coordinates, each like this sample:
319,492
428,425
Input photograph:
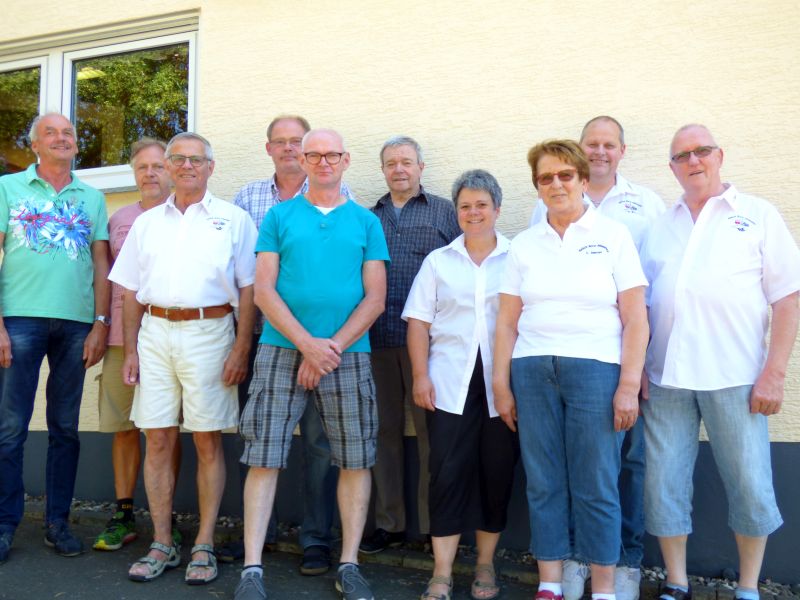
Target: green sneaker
117,533
177,538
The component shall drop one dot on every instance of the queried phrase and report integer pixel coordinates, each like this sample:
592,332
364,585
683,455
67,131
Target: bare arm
505,338
320,356
373,276
132,313
5,341
234,371
95,345
635,334
767,395
419,343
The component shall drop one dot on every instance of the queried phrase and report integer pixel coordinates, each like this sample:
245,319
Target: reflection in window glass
120,98
19,104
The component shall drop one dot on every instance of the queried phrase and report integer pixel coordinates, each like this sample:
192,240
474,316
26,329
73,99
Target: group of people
296,306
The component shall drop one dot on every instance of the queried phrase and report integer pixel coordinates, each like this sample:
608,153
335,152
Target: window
116,86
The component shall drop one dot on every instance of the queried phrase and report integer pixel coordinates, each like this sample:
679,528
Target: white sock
604,596
257,569
550,587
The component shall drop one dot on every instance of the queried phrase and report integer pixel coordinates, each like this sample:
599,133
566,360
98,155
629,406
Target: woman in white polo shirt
571,337
451,311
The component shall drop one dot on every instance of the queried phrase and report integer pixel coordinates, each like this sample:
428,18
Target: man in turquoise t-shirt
321,283
54,300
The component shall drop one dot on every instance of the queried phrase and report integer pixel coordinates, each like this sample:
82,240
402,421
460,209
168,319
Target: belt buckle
169,308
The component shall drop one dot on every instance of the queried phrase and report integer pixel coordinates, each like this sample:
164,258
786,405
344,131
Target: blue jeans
569,450
631,497
740,445
33,338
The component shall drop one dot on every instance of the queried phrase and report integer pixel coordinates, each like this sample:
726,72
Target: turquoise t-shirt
321,257
47,268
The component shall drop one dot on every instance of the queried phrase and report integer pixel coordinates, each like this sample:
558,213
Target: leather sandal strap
486,568
441,579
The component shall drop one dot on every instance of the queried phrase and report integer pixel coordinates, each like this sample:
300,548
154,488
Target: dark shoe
316,560
60,537
670,593
6,538
380,540
351,584
251,587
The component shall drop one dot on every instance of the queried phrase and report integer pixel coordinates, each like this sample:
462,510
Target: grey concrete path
34,571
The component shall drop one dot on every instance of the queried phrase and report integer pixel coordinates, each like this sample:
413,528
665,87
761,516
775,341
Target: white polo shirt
569,287
459,299
633,205
711,285
189,260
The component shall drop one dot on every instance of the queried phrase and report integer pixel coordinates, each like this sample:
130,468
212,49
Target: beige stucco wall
477,83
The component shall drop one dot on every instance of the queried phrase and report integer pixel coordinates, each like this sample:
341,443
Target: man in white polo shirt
717,261
185,265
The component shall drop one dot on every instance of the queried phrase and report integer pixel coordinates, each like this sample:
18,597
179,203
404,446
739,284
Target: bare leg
549,571
444,553
353,495
751,555
176,458
125,458
487,544
210,485
259,497
159,482
673,550
603,578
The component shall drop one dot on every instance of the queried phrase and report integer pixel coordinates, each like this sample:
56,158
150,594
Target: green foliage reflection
19,104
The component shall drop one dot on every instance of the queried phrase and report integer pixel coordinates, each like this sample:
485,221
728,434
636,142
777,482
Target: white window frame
55,91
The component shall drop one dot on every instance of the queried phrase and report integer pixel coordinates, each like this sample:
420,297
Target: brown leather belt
189,314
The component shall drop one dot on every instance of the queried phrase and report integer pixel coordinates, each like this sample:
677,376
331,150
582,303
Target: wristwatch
104,320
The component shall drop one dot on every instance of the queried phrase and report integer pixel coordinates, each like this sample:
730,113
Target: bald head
327,134
324,159
699,129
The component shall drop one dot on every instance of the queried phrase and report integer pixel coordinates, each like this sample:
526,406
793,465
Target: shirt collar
31,175
276,194
621,186
586,221
503,244
205,202
387,197
728,196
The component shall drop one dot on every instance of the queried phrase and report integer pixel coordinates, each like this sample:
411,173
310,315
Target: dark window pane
122,97
19,105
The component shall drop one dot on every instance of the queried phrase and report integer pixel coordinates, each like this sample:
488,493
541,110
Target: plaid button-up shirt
426,222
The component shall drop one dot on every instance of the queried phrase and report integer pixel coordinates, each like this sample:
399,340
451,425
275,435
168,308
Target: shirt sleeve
245,258
421,301
268,233
100,233
511,282
627,265
780,259
376,242
125,271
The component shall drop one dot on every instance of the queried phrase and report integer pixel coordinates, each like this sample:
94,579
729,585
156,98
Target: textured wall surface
477,83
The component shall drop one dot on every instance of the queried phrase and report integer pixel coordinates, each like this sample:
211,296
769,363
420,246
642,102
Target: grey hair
188,135
33,135
402,140
312,132
686,128
142,144
478,179
609,120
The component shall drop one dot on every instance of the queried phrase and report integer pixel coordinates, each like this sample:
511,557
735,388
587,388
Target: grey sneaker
251,587
626,583
351,584
573,579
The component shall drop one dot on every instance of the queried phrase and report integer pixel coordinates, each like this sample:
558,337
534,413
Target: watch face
104,320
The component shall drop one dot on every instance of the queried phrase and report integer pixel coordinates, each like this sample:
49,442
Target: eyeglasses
294,143
563,176
332,158
699,152
179,160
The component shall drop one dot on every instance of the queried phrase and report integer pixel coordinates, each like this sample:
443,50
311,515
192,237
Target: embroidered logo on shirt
630,206
740,222
46,228
218,223
593,249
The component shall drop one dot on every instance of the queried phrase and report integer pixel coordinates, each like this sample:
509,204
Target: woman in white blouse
571,336
451,312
